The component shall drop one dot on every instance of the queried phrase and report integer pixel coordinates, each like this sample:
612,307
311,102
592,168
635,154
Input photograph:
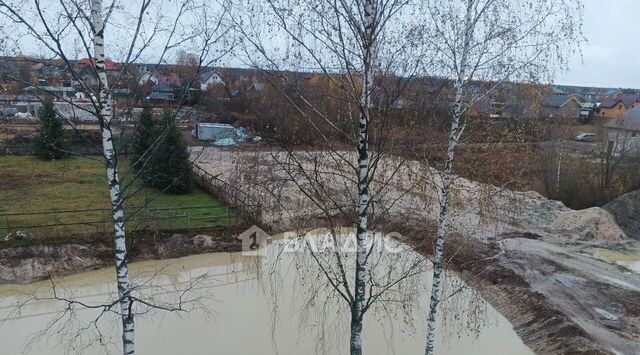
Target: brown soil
33,263
541,325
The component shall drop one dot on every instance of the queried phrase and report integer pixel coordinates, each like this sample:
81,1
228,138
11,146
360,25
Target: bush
52,141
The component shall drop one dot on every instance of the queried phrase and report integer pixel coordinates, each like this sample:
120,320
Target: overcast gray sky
612,55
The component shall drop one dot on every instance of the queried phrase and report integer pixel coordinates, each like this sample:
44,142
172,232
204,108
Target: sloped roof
628,99
89,62
558,101
21,97
257,86
630,121
163,88
558,91
610,103
612,92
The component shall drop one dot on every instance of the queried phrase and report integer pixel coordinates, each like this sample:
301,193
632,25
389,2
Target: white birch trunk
559,167
117,208
447,179
363,183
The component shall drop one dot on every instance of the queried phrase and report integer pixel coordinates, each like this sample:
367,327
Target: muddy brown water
252,305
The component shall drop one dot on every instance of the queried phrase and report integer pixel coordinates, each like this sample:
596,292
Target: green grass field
31,185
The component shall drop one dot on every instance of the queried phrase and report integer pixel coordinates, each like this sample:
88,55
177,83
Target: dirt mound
37,262
626,211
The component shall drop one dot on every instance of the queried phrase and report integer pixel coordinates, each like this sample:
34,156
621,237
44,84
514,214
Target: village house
169,79
59,92
559,92
11,104
85,69
612,93
148,77
210,79
162,94
623,134
256,87
481,108
630,100
588,111
612,108
561,106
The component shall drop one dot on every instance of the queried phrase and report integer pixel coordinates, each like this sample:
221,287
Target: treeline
159,156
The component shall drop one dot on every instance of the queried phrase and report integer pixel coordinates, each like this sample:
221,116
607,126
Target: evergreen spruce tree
142,148
170,161
52,142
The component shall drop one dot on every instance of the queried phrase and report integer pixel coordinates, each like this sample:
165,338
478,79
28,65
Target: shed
214,131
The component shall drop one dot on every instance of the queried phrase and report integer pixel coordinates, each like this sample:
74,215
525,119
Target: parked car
586,137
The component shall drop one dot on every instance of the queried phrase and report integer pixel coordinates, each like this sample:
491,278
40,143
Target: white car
586,137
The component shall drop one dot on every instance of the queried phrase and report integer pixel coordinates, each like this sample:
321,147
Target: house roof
156,95
257,86
628,99
204,77
612,92
558,91
558,101
483,105
20,97
630,121
89,62
163,88
610,103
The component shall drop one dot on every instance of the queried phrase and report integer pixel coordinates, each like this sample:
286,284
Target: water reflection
284,303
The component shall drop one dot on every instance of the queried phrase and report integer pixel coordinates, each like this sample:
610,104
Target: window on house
633,134
619,107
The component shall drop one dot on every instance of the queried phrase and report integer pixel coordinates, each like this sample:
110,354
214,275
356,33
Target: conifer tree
143,144
170,162
52,142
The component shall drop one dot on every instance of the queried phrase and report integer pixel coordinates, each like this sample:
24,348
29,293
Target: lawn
31,185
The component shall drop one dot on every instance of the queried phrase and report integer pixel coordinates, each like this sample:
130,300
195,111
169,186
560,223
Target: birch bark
357,306
447,179
115,190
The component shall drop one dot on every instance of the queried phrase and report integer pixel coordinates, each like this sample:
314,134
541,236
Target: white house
623,134
210,80
148,77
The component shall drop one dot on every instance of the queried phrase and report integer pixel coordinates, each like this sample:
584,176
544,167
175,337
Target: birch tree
355,46
66,29
489,42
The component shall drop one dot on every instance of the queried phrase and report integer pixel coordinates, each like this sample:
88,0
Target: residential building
210,79
623,134
612,93
169,79
11,104
162,94
561,106
62,92
558,92
630,100
85,70
612,108
587,111
148,77
256,87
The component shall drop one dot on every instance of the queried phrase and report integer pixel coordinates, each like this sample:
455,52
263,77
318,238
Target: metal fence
73,222
243,202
